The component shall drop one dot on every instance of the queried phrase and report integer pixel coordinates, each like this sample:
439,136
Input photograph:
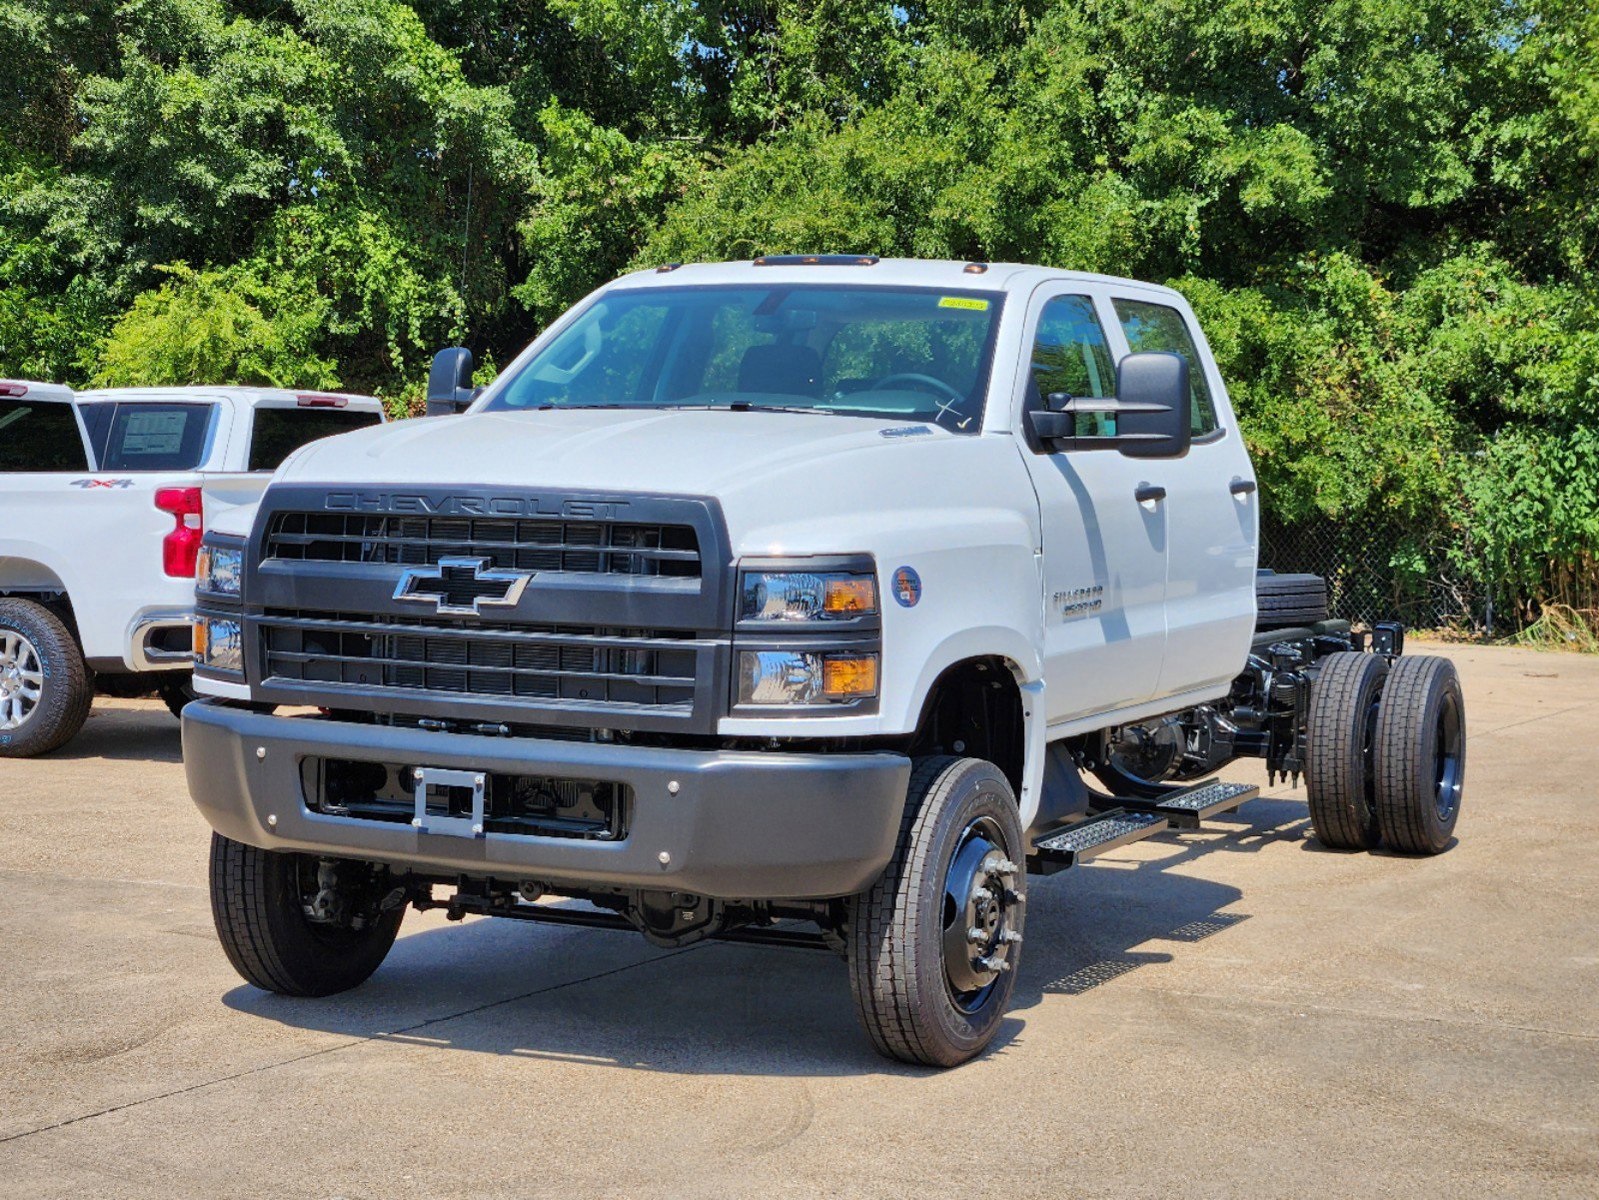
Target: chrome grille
591,547
540,664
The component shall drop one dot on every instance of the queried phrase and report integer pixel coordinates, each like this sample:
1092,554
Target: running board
1077,843
1187,807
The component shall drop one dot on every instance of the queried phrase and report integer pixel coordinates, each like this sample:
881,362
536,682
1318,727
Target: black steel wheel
1420,753
933,946
46,688
300,925
1340,736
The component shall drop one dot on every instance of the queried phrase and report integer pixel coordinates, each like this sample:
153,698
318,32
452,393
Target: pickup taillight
181,547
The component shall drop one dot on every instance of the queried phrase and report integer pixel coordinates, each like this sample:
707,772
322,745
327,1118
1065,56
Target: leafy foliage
1380,208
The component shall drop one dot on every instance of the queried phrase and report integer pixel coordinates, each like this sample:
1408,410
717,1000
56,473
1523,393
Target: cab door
1211,507
1104,548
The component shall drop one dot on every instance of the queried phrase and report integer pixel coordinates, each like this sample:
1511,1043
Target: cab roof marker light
816,260
975,268
665,267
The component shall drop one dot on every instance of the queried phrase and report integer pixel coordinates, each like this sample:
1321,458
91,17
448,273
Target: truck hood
775,474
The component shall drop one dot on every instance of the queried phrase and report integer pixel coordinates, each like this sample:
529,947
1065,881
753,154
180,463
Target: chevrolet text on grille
472,506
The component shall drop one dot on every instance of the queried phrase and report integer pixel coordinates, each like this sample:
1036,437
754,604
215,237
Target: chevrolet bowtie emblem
462,586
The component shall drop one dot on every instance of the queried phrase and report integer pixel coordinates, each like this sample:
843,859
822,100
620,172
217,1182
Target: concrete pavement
1235,1012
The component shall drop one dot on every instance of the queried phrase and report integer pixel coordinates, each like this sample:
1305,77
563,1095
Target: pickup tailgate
103,539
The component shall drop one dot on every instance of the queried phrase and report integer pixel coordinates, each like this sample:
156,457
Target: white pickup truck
810,590
105,495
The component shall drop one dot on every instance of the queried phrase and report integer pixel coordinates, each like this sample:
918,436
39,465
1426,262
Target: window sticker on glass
971,302
153,433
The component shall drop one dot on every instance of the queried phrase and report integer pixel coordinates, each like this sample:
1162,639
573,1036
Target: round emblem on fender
907,587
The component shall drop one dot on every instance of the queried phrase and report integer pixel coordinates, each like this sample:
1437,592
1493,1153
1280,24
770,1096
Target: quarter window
1161,327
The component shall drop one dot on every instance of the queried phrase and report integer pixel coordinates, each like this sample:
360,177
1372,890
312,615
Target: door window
1072,358
1161,327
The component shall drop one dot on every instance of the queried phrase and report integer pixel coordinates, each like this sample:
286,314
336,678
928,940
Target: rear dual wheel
1386,753
1421,755
933,946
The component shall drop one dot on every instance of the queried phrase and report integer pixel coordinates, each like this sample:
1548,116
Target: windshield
897,353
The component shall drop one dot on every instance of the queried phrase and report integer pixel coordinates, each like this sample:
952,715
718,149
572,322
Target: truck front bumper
727,824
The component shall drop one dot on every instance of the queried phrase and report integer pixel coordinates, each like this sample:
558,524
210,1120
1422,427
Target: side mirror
450,387
1152,410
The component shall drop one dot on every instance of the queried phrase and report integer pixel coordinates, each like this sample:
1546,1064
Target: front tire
1421,755
45,686
260,901
176,689
934,945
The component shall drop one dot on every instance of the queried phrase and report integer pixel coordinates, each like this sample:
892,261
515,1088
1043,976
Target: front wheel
934,945
176,689
300,925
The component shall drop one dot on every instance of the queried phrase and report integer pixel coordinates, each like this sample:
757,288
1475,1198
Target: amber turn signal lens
850,595
199,641
855,675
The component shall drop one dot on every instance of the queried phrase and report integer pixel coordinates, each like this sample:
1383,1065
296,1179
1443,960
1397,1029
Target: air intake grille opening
530,544
590,665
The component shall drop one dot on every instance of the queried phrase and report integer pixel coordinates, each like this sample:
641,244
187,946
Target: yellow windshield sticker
970,302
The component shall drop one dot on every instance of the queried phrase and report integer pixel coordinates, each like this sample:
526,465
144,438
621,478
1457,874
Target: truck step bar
1105,831
1119,820
1187,807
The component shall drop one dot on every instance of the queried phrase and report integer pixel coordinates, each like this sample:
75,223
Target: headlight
219,569
806,596
805,677
219,644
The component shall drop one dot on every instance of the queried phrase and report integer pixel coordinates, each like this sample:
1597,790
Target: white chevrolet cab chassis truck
103,500
817,589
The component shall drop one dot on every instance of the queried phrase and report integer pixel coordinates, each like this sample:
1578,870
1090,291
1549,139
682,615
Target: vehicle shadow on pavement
148,733
609,999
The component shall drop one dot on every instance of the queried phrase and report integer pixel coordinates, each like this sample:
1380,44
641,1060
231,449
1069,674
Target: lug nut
1010,938
976,936
1005,867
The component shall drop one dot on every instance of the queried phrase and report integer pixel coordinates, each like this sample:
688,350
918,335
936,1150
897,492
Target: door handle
1241,487
1149,491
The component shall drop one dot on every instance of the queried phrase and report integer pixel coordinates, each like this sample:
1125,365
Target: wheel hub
21,679
982,910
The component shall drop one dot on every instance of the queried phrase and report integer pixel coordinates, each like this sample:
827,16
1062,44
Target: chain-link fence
1376,574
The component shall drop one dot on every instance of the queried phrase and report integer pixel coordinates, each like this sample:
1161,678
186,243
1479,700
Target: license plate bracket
438,782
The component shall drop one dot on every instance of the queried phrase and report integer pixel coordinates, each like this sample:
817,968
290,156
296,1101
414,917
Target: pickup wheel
299,925
45,686
176,689
1420,755
933,946
1339,736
